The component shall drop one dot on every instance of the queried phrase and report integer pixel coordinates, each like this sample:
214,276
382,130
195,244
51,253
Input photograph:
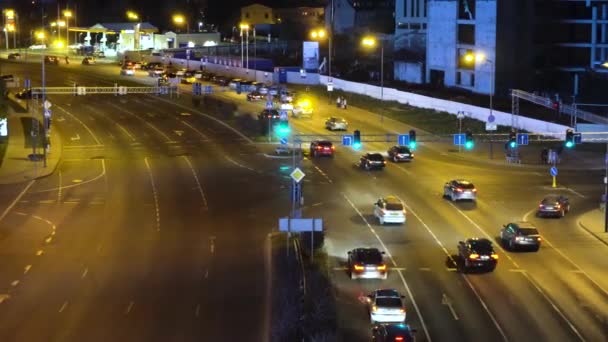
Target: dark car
24,94
14,56
267,119
151,65
51,60
400,153
555,205
395,332
477,253
322,148
370,161
520,234
88,61
367,263
255,96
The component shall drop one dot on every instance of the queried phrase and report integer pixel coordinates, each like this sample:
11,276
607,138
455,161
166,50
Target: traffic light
413,139
512,140
282,128
356,139
569,138
468,142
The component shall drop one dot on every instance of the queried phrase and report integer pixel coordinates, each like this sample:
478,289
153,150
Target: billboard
310,55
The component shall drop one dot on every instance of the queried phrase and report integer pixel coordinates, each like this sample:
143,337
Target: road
148,257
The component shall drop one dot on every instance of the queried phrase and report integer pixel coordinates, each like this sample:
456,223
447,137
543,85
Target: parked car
399,153
234,82
520,234
151,65
156,72
477,253
554,205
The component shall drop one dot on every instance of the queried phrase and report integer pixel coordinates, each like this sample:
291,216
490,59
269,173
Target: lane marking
241,165
59,188
154,193
27,269
39,252
212,244
4,297
424,269
10,207
576,193
82,123
525,218
63,307
407,172
125,131
407,288
84,273
129,308
198,309
103,173
194,129
323,173
15,283
445,300
165,136
198,183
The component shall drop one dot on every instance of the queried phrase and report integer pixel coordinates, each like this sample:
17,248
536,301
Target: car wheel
352,275
535,249
568,209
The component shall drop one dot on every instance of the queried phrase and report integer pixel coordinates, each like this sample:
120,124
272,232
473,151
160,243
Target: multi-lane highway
153,228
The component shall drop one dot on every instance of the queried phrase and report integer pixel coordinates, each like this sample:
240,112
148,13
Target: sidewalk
16,167
593,222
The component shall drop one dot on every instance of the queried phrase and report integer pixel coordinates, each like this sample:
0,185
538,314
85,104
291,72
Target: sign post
553,172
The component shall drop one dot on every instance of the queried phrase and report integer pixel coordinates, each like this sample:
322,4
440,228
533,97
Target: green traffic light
468,145
357,146
512,144
569,144
412,145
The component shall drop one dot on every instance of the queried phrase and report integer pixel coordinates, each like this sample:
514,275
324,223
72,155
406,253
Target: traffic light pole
606,191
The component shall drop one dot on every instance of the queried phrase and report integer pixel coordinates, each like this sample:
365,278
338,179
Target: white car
129,71
336,124
38,47
389,210
386,306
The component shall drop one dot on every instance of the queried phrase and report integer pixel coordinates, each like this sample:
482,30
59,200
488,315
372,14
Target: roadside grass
432,121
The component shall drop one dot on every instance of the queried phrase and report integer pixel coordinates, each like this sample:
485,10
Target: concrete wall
441,43
485,42
409,72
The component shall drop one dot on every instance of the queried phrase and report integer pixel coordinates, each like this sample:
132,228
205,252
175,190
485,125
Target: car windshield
375,157
466,185
394,206
550,200
390,302
482,247
528,231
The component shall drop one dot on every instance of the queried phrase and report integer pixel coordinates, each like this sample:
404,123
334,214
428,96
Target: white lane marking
268,288
129,307
323,173
525,218
466,279
154,128
194,129
15,283
576,193
84,273
424,269
10,207
445,300
154,193
75,138
212,244
206,273
407,172
406,286
27,269
555,308
241,165
59,188
526,274
78,147
39,252
178,132
63,307
198,183
82,123
125,131
103,173
3,297
197,310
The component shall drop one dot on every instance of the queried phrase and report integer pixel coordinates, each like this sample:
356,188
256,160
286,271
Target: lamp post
370,42
478,57
67,14
318,35
180,20
245,27
135,17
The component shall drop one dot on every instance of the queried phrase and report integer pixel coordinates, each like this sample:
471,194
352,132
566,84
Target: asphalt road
153,227
135,221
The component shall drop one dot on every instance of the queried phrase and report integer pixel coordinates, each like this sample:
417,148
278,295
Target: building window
466,34
415,26
472,80
402,26
424,5
458,77
466,9
266,15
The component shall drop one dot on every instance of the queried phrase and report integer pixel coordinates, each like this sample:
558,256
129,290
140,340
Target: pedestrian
338,102
67,60
344,105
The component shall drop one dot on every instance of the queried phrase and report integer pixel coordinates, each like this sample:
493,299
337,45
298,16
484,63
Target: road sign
330,86
208,89
297,175
296,193
491,118
283,141
460,115
47,104
491,126
553,171
47,113
300,225
522,138
28,83
578,138
269,104
459,139
403,139
283,115
347,140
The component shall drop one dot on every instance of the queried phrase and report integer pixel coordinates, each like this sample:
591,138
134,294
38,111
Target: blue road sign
269,104
522,138
208,89
283,141
403,139
578,138
491,118
28,83
47,113
553,171
460,139
347,140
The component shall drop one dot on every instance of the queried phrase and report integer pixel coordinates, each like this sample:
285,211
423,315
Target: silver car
386,306
460,189
336,124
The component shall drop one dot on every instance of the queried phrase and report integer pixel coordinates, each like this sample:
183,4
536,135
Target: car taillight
359,268
473,256
319,147
399,338
540,205
384,162
494,256
333,148
458,190
382,268
474,190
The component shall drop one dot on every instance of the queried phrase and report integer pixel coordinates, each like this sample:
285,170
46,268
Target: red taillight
319,147
333,148
458,190
359,268
382,268
474,256
494,256
399,338
474,190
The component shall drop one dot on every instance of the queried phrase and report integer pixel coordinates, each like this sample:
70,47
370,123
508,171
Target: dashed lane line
154,193
198,183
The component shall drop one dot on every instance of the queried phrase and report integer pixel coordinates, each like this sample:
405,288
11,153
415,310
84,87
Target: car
234,82
24,94
7,78
37,47
220,80
477,253
156,71
367,263
14,55
51,60
127,71
247,85
554,205
302,108
400,153
99,54
287,96
389,209
188,77
255,96
386,306
370,161
88,61
520,234
460,189
269,114
322,148
151,65
263,89
393,332
336,124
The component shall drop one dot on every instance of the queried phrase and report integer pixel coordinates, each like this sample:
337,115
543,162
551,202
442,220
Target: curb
592,233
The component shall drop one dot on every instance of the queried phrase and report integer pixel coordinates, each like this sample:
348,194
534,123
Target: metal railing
116,90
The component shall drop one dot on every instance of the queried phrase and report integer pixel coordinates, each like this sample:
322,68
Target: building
305,17
117,37
410,26
256,14
361,15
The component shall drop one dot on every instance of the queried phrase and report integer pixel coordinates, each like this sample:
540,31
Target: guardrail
116,90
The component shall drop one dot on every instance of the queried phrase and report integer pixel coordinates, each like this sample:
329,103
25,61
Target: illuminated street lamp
67,14
245,27
180,20
320,34
135,17
370,42
40,35
478,57
132,15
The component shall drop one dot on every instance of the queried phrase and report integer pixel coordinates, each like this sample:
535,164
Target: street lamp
470,58
180,20
320,34
245,27
135,17
370,43
132,15
67,14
